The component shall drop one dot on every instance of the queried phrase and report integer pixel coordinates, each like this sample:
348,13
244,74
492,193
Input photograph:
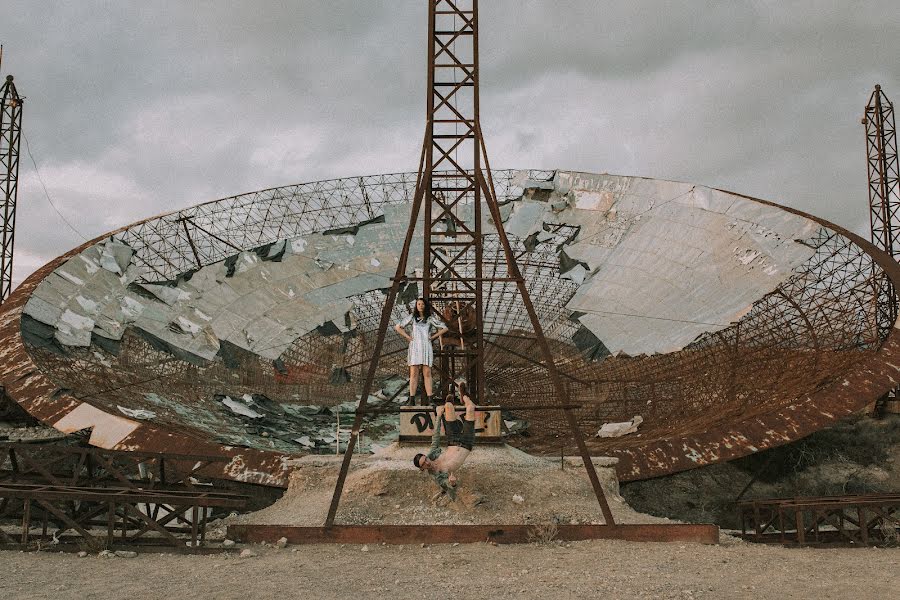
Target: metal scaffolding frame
453,129
10,142
884,195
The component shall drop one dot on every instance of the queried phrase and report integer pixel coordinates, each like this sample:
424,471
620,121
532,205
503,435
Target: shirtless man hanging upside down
460,440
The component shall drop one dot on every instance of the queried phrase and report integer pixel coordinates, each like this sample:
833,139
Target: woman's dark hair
461,386
427,310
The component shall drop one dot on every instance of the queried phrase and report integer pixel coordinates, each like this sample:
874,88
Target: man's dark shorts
461,434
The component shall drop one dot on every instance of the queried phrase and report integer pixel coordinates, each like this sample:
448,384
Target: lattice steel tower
10,138
884,196
453,187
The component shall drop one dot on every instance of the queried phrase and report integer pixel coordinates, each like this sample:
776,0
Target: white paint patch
746,256
106,430
69,277
88,306
599,201
90,265
692,454
137,413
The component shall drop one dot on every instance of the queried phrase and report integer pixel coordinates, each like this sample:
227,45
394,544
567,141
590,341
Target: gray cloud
135,109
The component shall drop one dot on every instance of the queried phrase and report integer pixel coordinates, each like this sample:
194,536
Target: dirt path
601,569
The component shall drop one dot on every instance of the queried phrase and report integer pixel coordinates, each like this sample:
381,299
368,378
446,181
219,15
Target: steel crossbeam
107,516
860,520
89,466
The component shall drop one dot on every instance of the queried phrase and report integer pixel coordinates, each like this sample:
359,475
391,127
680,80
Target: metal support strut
10,142
454,180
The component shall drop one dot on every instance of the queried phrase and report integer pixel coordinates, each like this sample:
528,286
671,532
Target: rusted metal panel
470,534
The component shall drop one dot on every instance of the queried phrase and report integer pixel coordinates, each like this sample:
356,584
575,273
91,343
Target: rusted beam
469,534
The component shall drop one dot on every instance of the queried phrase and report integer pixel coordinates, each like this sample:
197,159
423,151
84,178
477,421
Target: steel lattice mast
453,186
884,196
10,138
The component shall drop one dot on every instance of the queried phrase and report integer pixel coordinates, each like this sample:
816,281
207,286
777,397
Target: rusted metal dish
241,327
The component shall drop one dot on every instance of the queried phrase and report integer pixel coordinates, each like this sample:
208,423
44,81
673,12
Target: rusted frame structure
80,466
883,176
453,125
858,520
469,534
105,517
40,467
11,105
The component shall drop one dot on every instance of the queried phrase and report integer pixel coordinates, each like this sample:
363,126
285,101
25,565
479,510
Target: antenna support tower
453,187
884,196
884,205
10,141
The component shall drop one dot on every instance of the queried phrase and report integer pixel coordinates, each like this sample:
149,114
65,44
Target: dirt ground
385,489
599,569
497,484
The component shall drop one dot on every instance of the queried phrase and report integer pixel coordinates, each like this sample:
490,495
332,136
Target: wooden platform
468,534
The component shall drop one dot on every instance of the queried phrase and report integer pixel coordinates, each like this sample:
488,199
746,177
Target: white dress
420,351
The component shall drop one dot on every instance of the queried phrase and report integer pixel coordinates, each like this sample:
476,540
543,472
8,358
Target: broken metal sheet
73,329
241,408
115,257
614,430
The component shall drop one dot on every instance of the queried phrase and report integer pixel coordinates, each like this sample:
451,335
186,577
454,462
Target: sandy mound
385,489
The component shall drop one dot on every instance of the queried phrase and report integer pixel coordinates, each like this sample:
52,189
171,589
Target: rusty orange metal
471,534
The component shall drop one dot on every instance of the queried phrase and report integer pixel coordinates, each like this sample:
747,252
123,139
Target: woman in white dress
425,328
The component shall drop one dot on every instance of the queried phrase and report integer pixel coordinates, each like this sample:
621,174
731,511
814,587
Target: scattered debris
240,409
611,430
137,413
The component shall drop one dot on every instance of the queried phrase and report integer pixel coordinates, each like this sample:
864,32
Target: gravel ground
607,569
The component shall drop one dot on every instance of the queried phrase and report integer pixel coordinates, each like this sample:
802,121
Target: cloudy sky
135,109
